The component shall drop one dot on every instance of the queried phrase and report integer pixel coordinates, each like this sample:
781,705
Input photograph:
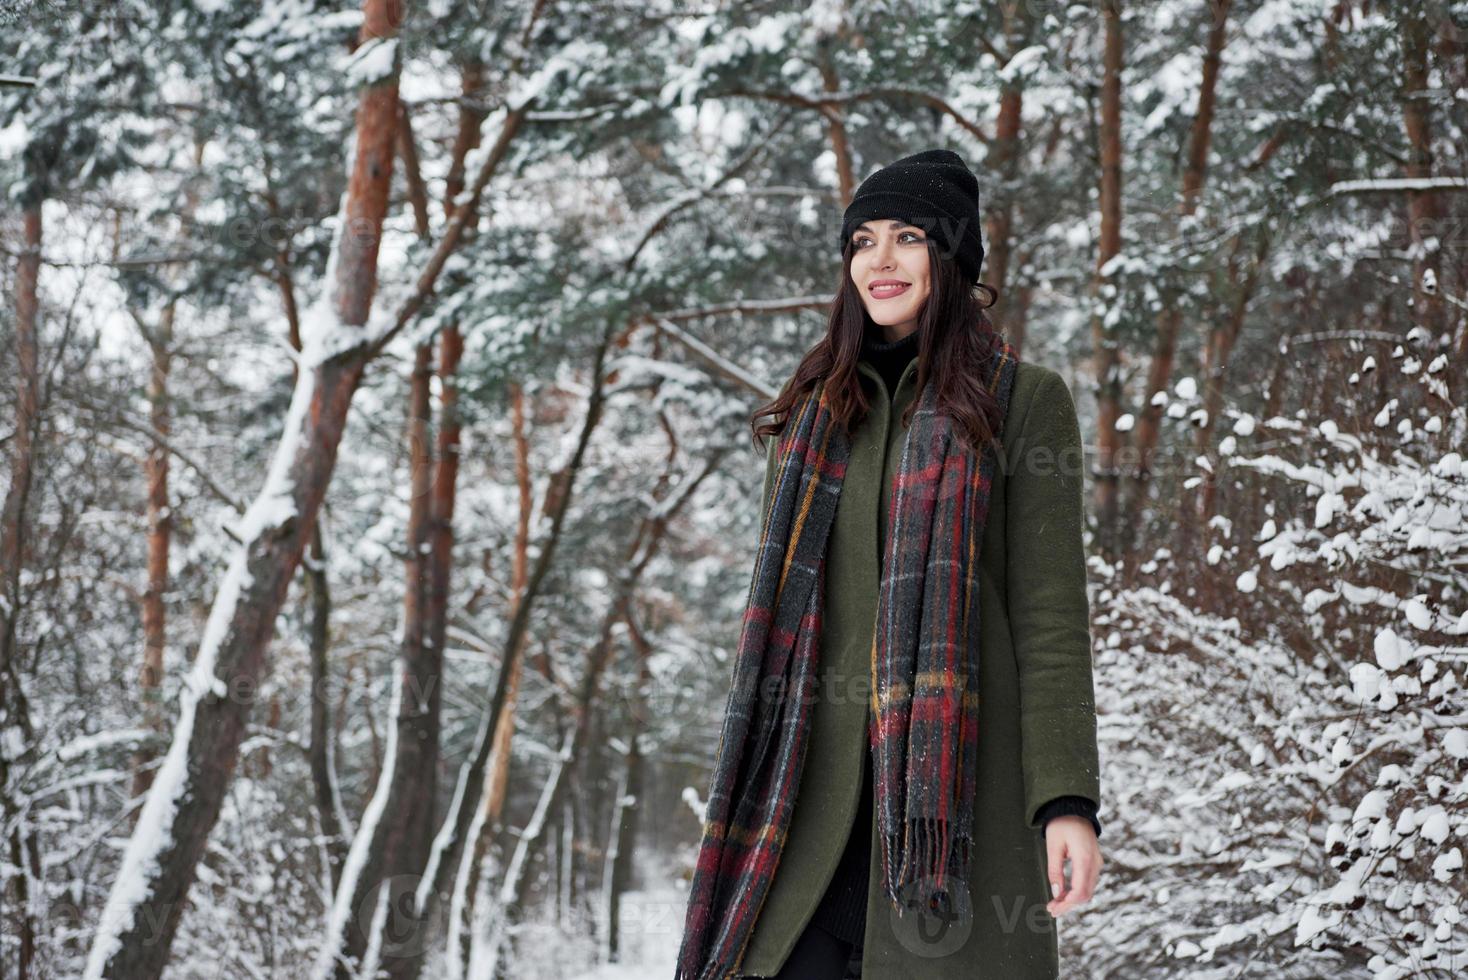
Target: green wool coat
1037,732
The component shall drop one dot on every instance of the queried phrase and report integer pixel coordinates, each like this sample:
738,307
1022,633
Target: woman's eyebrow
891,224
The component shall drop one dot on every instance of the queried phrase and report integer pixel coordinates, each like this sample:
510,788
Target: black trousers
818,955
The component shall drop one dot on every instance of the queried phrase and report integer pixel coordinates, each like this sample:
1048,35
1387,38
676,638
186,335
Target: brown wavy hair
955,339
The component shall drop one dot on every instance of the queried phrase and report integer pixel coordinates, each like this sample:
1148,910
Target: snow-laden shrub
1287,774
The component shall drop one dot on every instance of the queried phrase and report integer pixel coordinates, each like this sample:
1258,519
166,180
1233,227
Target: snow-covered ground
652,925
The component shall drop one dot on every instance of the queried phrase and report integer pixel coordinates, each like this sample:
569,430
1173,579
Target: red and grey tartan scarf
925,673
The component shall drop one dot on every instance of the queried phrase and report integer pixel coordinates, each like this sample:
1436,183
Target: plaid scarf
924,673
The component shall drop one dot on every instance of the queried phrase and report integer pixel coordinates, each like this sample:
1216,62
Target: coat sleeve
1070,805
1049,616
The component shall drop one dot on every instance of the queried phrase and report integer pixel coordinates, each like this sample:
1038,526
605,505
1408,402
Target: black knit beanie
933,190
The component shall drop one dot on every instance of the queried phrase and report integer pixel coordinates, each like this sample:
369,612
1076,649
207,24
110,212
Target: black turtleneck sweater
889,357
842,910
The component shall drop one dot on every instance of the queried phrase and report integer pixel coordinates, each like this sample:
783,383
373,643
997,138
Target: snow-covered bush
1287,772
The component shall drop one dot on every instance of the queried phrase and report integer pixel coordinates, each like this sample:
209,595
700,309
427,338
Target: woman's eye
859,242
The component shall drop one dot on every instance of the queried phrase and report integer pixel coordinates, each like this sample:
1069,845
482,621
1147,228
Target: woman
920,555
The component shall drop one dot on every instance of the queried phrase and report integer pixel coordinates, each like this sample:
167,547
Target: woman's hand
1071,837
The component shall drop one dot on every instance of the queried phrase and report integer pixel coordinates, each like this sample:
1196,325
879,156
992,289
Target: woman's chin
885,316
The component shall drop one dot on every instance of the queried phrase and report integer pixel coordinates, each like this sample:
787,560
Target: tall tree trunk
322,748
644,548
1221,340
1424,207
160,534
836,126
565,865
444,489
401,837
322,737
834,115
1306,289
14,708
1452,59
1159,371
150,892
395,843
629,805
1017,305
435,492
493,802
159,339
356,356
449,843
1004,159
519,570
1000,222
412,174
1106,353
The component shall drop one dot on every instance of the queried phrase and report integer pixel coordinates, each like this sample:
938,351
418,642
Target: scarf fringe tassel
921,861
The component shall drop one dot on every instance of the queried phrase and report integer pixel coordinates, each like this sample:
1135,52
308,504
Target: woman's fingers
1055,849
1082,881
1093,873
1085,869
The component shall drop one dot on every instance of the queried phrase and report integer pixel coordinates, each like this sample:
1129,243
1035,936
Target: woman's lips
889,290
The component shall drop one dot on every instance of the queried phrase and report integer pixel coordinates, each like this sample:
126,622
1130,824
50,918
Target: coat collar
910,371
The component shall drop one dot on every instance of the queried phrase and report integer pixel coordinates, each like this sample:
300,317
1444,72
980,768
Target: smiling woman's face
890,269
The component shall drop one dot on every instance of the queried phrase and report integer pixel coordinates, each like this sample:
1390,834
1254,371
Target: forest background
379,498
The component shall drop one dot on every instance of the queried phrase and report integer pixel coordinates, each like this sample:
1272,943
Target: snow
358,855
375,60
489,944
132,885
458,904
1174,88
652,925
1445,867
576,53
89,744
1366,682
1022,63
1332,661
1455,743
768,35
1418,614
441,840
153,834
1433,825
279,23
1390,651
1269,17
1398,184
1327,506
